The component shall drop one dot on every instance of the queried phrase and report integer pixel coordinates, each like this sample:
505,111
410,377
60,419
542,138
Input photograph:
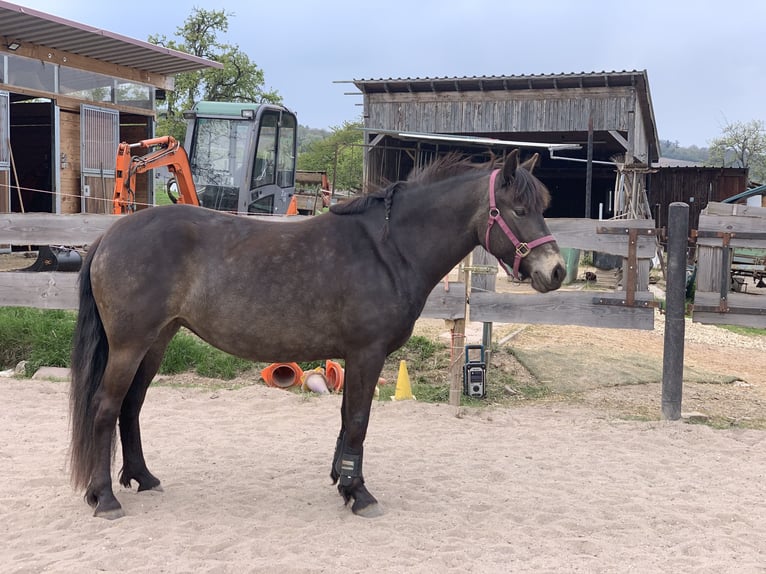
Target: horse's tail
90,350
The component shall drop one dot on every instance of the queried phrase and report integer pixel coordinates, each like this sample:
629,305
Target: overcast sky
705,59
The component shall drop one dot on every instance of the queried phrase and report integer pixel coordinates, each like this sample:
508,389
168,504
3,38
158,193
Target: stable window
33,74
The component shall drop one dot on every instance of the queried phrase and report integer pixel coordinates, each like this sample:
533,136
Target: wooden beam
448,305
581,234
53,56
43,290
52,229
744,310
563,308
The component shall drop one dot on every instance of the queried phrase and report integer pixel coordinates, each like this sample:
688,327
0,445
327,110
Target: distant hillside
307,135
671,149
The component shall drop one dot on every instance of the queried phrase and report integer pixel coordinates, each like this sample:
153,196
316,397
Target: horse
237,283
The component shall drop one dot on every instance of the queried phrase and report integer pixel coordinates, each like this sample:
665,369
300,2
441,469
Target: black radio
475,373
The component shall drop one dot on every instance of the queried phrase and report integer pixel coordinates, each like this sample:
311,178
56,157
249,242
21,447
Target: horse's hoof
156,488
112,514
370,511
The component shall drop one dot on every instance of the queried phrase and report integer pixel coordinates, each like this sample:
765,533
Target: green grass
748,331
44,338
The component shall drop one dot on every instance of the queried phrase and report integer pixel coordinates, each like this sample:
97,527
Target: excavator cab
242,156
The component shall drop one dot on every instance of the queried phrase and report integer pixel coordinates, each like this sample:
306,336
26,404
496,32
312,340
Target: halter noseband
522,249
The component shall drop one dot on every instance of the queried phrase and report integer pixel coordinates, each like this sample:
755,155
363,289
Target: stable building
595,132
69,93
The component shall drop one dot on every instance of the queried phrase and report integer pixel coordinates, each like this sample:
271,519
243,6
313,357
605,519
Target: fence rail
56,290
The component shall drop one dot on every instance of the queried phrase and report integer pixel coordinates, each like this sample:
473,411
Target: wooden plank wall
69,138
502,111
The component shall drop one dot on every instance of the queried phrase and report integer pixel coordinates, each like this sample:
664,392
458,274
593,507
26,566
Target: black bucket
56,259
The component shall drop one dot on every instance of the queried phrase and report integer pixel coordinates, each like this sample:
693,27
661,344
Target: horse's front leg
360,379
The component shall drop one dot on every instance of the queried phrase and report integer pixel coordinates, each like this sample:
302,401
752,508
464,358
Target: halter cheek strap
522,249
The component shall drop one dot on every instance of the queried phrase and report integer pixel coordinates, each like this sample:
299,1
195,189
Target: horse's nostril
560,273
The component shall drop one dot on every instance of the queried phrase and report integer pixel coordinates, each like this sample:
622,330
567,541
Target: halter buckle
494,212
522,250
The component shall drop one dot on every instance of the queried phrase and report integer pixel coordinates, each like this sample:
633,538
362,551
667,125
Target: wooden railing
633,240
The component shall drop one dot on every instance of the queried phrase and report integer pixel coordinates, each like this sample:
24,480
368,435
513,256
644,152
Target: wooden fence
633,240
720,298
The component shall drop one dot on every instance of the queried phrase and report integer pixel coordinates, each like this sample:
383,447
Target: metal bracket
737,310
481,269
631,278
609,301
729,235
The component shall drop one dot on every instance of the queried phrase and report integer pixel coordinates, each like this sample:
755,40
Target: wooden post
458,347
589,167
675,298
483,279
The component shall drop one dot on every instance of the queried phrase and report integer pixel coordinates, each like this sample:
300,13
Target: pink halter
522,249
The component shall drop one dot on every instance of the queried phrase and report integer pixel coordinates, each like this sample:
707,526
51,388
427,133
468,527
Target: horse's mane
529,191
445,167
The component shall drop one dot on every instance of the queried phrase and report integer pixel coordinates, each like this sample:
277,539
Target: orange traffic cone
282,375
292,208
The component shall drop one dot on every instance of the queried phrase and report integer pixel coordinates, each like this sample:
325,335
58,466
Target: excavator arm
168,153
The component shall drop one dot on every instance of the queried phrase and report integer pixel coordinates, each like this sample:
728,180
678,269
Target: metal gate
99,139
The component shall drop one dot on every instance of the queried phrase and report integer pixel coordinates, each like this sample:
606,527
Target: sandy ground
540,488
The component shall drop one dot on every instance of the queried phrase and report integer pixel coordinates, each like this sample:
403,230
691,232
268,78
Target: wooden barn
595,132
695,186
69,93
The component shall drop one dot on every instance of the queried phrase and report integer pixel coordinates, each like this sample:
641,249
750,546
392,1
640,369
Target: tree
339,154
741,145
240,80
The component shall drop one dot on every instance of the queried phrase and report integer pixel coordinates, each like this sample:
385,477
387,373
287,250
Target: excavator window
218,161
266,151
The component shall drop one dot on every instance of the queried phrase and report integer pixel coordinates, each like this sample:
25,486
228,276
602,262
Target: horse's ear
509,166
531,163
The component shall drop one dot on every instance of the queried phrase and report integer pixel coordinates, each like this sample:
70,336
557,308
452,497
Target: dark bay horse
238,284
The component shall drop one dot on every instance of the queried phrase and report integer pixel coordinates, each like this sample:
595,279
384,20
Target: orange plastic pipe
282,375
334,374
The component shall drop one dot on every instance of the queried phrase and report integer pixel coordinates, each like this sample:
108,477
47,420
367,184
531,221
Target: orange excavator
168,153
237,157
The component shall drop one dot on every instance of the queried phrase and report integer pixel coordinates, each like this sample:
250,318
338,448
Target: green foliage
741,145
239,80
339,154
308,136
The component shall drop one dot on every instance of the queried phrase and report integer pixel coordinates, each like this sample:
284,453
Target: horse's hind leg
133,463
117,379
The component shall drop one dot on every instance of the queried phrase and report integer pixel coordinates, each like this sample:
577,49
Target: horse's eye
519,211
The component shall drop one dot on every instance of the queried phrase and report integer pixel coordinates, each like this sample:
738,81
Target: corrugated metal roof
25,25
521,82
